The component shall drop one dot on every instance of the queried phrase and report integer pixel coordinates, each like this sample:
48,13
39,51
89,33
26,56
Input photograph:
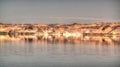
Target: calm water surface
31,51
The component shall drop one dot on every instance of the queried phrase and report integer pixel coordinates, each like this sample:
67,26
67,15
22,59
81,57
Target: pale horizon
59,11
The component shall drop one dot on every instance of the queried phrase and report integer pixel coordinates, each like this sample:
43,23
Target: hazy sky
58,11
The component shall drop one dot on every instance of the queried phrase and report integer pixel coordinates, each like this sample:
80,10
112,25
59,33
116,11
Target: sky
59,11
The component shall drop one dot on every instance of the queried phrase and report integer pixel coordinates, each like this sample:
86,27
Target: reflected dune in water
93,40
56,49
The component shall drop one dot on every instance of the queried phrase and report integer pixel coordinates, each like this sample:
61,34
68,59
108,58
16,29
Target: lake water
32,51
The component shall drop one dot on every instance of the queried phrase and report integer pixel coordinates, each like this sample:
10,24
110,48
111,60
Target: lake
52,51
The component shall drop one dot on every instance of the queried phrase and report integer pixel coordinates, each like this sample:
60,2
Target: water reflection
72,43
93,40
58,51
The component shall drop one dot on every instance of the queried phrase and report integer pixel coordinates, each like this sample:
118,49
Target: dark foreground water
33,51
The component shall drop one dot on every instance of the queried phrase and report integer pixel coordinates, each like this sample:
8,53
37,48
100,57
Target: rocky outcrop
64,30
